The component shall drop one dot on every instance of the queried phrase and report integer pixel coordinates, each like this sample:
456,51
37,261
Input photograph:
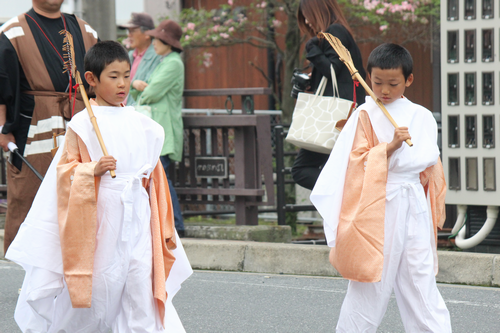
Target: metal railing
281,171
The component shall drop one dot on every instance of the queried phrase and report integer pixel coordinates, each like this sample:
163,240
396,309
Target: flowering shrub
273,24
228,25
399,21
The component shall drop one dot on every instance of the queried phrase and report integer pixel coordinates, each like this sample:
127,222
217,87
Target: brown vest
48,102
51,111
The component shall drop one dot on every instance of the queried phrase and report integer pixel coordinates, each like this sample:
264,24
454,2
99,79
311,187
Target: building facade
470,74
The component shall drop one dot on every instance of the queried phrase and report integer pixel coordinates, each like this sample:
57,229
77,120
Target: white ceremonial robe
409,260
122,291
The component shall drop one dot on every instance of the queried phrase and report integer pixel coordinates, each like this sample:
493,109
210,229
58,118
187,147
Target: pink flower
186,37
191,26
370,5
207,59
263,4
230,2
231,29
224,35
383,27
282,9
396,8
277,23
407,6
216,27
380,11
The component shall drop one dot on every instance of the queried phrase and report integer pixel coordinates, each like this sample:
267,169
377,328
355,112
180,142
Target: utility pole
159,9
100,14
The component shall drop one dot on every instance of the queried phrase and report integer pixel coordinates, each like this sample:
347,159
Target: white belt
408,189
131,199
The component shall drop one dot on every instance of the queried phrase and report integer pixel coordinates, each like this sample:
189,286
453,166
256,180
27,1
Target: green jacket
148,64
164,95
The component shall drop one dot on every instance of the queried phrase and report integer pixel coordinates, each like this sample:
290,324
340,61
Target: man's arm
5,138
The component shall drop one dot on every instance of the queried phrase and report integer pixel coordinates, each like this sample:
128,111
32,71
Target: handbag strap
334,82
321,88
324,81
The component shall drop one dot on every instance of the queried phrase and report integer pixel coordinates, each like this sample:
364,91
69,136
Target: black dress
308,164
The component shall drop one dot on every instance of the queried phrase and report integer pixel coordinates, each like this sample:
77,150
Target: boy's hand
139,85
401,134
105,164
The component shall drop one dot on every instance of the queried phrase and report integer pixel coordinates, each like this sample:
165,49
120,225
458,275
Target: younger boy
382,202
101,254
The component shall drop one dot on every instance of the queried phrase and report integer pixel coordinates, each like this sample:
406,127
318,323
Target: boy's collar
93,102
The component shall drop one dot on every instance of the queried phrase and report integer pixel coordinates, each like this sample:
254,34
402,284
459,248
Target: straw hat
168,32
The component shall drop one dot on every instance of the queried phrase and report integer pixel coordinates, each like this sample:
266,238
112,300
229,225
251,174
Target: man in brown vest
35,96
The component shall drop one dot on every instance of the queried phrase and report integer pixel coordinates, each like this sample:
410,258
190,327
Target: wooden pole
92,118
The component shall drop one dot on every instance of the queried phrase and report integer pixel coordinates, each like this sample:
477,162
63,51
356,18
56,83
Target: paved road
222,302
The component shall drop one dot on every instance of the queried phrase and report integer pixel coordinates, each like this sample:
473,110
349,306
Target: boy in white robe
382,202
102,254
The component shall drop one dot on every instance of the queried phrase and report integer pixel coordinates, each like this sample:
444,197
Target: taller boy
383,201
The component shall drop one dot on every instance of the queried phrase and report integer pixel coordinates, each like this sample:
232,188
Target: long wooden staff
345,57
70,66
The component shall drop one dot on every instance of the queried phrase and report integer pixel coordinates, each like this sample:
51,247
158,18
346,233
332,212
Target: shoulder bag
314,122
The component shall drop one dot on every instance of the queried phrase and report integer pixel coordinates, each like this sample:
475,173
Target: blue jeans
179,221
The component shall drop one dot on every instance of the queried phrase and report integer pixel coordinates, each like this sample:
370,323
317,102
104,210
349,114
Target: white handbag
315,118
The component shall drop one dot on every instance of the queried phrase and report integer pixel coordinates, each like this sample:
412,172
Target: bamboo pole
69,65
92,118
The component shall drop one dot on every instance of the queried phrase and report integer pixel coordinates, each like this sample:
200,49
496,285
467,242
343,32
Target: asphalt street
244,302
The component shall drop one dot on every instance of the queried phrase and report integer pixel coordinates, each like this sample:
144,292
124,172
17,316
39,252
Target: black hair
391,56
173,47
102,54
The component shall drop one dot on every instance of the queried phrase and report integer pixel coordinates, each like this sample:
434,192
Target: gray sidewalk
279,258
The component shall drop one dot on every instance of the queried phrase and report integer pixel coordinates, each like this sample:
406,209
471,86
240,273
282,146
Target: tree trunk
292,60
100,14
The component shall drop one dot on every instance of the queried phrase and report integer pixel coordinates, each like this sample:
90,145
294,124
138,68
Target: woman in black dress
316,16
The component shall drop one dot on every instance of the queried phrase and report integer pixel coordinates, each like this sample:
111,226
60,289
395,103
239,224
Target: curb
258,233
274,258
277,258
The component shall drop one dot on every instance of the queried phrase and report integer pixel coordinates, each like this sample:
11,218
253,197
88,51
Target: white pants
122,296
408,270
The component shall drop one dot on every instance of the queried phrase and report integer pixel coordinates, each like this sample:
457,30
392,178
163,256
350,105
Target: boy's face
389,84
113,86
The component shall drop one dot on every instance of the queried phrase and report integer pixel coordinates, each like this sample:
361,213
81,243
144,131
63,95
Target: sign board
211,167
